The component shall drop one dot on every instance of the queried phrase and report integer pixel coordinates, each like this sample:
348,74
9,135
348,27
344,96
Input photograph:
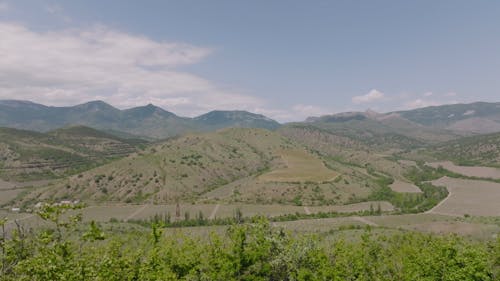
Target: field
471,197
10,190
401,186
470,171
300,167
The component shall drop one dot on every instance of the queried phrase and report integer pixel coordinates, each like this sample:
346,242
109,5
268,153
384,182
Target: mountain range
434,124
145,121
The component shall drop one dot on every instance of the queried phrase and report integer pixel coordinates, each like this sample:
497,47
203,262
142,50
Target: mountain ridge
147,121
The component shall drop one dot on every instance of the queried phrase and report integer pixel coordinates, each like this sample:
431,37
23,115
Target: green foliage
255,251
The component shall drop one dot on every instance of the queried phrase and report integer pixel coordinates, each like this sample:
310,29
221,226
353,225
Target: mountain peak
148,110
97,105
236,118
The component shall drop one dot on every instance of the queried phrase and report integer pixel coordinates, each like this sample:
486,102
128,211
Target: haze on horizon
287,59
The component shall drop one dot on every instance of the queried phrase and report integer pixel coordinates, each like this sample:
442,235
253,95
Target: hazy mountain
478,117
146,121
412,128
237,118
376,130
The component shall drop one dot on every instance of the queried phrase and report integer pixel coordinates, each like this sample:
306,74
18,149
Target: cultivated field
300,167
480,172
401,186
478,198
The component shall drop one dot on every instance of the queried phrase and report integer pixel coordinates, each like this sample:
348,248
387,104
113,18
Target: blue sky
285,59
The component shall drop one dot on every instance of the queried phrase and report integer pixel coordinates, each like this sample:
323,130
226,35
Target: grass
300,167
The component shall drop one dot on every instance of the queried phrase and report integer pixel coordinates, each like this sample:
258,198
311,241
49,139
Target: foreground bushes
255,251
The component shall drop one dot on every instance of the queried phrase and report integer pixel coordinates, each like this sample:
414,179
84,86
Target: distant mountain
28,155
418,127
478,117
377,130
145,121
242,119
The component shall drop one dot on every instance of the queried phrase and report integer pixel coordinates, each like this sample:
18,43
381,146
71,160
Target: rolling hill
148,121
380,132
481,150
28,155
231,165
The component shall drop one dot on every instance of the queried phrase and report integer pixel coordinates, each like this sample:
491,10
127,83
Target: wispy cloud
373,95
77,65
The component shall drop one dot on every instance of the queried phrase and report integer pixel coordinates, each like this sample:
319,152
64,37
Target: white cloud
4,6
451,94
372,96
427,94
297,112
73,66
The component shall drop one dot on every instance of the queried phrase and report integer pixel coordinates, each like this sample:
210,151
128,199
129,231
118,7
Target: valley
339,177
340,168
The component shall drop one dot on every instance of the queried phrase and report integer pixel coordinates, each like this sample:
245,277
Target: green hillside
225,166
481,150
28,155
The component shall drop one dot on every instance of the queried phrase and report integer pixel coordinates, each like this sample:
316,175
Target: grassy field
470,171
300,166
469,197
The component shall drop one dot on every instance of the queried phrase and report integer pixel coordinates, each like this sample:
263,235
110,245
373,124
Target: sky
285,59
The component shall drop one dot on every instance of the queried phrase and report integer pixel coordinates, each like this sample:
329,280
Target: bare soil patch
401,186
473,197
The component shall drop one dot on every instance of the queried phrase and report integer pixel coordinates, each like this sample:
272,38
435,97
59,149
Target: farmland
299,167
470,171
469,197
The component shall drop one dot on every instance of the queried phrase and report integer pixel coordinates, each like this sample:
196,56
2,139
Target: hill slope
225,166
482,150
33,155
